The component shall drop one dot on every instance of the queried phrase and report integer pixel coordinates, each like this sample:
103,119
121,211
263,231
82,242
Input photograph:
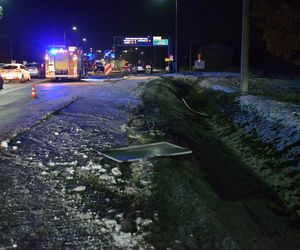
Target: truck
63,62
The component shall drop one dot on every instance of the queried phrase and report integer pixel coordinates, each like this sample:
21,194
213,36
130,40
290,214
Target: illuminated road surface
18,110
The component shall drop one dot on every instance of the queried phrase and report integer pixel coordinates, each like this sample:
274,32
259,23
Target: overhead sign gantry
148,41
159,46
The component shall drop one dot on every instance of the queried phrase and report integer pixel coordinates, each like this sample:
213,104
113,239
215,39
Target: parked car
137,69
1,82
35,69
15,72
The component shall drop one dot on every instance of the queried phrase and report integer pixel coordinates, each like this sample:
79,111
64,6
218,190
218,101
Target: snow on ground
64,154
272,121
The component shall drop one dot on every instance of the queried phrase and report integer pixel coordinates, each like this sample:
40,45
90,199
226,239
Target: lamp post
176,37
245,47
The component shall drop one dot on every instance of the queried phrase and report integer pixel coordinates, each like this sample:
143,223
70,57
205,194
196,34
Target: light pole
245,47
176,40
176,37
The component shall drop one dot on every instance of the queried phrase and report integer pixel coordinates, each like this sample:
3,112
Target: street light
84,39
74,28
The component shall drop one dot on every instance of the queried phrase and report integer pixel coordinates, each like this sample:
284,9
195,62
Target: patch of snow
141,223
79,189
215,84
107,178
41,165
70,170
272,121
55,173
123,240
44,173
4,144
93,166
116,172
52,164
223,88
124,128
194,75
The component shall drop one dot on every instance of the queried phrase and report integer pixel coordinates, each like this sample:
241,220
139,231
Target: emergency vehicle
63,62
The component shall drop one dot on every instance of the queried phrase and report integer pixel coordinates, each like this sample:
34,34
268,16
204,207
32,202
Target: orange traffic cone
33,93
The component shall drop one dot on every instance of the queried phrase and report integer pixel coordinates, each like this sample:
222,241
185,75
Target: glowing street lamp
84,39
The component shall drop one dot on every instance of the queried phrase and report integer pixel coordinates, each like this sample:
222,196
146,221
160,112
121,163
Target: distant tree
279,21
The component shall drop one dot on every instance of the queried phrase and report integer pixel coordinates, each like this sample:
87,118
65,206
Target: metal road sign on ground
139,152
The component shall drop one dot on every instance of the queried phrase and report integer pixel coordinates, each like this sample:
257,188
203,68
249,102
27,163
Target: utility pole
190,56
10,48
65,38
245,48
176,36
1,12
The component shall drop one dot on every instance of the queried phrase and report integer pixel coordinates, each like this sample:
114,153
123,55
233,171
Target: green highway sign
159,41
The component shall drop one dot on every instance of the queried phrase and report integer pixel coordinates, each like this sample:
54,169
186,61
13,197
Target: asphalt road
19,111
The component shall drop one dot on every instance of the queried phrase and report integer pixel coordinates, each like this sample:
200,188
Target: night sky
34,24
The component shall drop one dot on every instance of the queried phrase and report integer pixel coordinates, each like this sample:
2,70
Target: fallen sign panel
135,153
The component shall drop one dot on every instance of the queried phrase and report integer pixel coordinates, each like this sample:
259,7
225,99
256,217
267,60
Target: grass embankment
202,198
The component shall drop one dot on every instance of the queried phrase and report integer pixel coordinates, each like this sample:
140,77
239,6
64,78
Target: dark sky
34,24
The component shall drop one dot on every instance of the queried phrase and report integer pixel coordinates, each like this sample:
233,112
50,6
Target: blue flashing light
91,56
53,51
